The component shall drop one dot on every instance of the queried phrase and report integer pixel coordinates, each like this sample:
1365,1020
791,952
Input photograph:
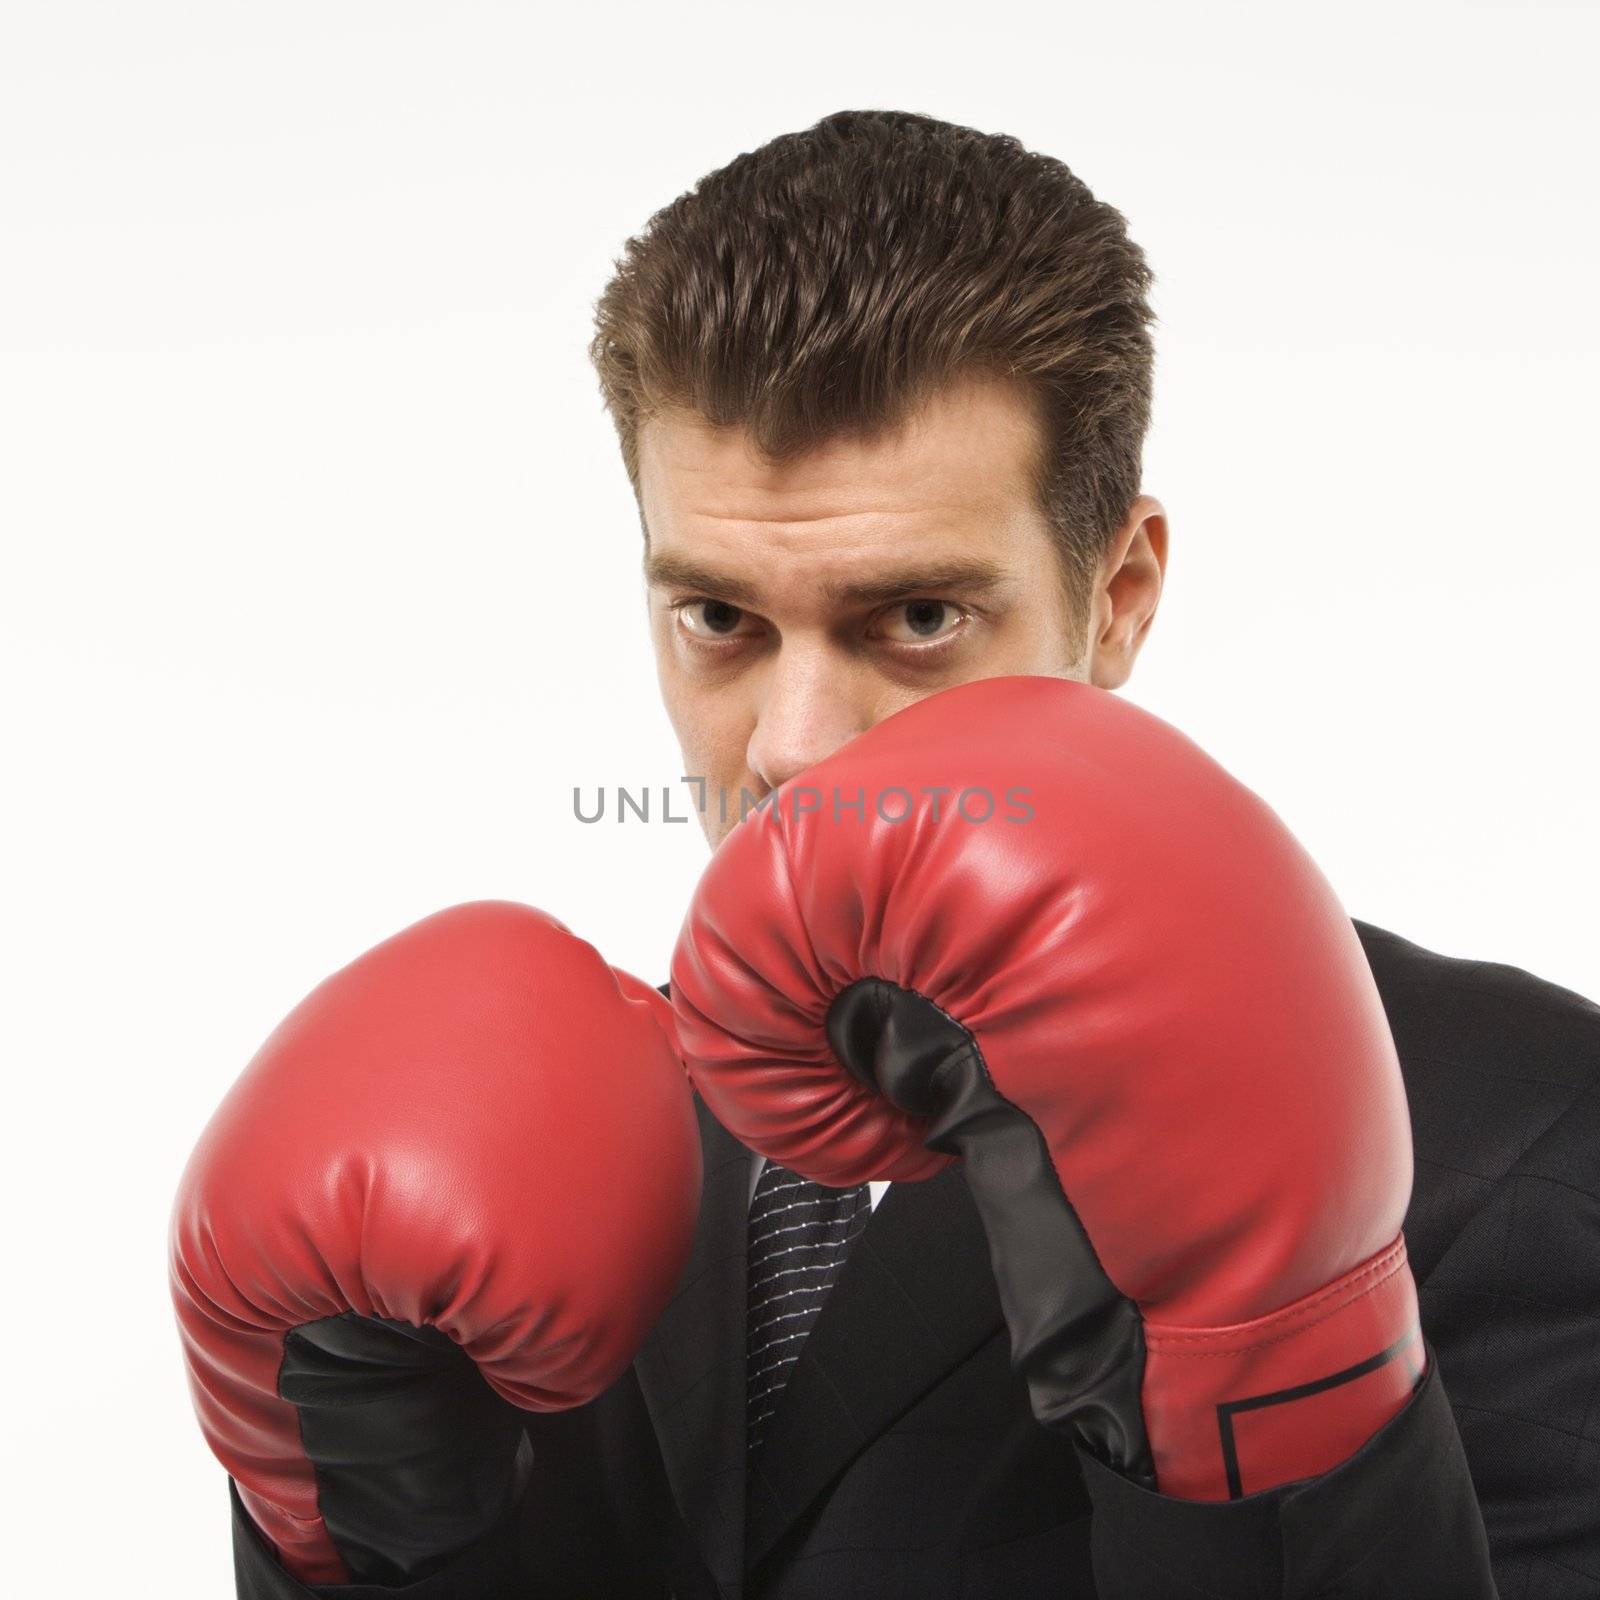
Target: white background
320,585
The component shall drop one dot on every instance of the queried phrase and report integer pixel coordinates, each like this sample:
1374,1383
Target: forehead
965,456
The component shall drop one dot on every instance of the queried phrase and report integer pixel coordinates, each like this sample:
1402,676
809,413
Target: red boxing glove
1102,972
463,1172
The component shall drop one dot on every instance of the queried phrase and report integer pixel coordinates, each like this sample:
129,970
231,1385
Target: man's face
794,606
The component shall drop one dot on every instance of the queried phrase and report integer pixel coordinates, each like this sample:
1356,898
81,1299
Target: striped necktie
799,1233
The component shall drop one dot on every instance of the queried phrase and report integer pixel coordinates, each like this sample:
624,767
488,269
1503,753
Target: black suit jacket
904,1461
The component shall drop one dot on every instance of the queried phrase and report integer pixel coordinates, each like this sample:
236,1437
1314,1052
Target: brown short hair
821,285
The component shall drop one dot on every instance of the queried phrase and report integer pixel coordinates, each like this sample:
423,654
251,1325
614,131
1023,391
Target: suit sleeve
587,1523
492,1566
1399,1518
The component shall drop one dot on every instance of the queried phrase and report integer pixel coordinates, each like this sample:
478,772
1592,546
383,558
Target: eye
920,621
710,619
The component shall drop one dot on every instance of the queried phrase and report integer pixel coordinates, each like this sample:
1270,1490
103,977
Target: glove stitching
1165,1343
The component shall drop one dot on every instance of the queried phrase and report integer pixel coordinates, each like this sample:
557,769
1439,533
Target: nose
810,705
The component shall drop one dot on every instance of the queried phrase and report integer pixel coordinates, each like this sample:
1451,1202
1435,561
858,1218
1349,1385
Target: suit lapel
691,1368
916,1295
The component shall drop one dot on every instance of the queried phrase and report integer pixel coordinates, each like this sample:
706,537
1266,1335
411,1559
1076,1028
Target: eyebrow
973,576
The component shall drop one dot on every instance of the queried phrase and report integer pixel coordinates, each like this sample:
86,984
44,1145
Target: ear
1127,592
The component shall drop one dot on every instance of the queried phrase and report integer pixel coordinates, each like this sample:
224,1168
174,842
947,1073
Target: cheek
713,724
1046,653
1045,640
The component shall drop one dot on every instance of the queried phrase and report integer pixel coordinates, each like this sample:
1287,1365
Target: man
881,389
